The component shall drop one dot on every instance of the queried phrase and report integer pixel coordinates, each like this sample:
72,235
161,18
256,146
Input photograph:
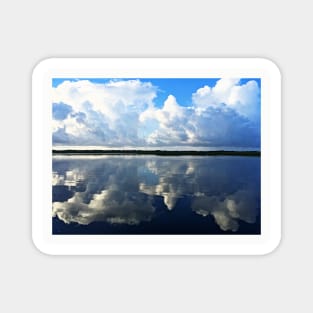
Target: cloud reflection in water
124,190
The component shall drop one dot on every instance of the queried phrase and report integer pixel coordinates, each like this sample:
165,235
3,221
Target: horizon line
158,152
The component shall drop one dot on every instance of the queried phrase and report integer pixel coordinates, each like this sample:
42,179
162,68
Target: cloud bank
122,113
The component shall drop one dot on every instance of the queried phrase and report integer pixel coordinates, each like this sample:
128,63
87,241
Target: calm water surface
156,195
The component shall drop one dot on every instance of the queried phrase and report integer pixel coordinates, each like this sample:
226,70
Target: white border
157,244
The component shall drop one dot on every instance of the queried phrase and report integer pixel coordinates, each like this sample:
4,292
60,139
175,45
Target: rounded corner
42,65
271,65
273,246
40,247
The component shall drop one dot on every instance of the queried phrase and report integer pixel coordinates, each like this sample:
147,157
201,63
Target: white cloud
223,88
244,99
123,113
104,97
102,114
171,122
220,93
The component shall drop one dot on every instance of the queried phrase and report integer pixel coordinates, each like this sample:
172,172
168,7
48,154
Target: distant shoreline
156,152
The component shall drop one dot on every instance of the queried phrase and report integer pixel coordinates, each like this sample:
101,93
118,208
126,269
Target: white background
34,30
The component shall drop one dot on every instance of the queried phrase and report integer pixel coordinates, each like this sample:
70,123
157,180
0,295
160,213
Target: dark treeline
158,152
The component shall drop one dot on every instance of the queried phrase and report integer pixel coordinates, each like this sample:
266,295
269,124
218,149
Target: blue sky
167,112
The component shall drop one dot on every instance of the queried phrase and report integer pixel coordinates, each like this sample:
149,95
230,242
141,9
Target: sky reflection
157,194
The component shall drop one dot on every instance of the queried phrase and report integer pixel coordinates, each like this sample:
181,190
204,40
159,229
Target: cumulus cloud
243,99
101,114
124,113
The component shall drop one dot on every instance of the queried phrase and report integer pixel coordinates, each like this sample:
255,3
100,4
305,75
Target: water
116,194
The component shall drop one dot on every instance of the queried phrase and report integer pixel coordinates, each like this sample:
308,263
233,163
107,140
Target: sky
158,113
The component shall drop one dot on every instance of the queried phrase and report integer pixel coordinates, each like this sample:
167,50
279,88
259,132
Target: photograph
156,156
